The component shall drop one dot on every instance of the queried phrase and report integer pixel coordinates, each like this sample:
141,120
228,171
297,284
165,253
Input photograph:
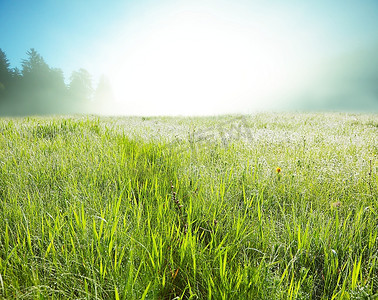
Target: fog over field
188,57
192,149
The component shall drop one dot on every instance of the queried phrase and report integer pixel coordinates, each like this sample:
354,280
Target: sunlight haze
204,57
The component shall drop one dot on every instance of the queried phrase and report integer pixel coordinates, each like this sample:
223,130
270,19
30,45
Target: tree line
40,89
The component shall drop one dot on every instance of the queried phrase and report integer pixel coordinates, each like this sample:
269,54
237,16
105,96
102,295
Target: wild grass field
268,206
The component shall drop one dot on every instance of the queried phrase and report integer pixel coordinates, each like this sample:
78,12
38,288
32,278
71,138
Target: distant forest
38,89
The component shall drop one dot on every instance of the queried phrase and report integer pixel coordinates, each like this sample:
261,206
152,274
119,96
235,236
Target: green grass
189,208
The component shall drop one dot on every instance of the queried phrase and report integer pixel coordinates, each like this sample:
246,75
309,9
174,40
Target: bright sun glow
191,63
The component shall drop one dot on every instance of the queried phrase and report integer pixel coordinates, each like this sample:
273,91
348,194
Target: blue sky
174,56
59,30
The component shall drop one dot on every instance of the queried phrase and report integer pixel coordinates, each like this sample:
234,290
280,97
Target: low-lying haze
207,57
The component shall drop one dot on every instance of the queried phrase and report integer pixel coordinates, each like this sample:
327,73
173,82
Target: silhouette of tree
5,74
33,93
56,92
34,65
35,72
103,97
42,89
16,74
39,89
57,79
80,87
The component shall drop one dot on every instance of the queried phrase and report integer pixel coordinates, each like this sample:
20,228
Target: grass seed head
336,204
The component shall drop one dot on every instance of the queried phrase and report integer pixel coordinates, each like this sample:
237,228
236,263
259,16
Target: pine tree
5,73
34,64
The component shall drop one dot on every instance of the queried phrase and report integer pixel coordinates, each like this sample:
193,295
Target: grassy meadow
269,206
